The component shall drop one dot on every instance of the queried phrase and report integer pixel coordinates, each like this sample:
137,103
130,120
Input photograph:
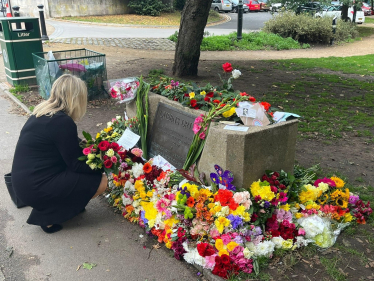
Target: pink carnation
114,159
210,261
330,182
137,152
301,232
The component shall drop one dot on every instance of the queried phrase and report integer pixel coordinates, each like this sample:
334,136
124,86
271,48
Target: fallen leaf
99,124
346,243
79,266
371,264
156,246
87,265
359,240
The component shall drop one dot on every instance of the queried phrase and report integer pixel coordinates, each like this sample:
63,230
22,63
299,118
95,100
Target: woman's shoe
52,229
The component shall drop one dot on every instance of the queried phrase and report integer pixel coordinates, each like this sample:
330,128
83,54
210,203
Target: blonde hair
68,94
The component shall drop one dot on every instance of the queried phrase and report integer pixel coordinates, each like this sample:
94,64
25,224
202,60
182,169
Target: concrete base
246,154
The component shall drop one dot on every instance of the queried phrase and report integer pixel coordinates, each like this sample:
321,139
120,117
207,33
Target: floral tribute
221,227
124,91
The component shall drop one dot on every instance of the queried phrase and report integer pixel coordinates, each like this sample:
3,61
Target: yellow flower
171,222
298,215
219,244
97,135
139,185
246,217
221,223
192,95
168,244
210,205
107,130
348,217
223,252
143,195
322,200
149,194
231,246
203,93
205,192
285,207
287,244
311,193
297,206
263,191
338,182
229,112
239,211
149,209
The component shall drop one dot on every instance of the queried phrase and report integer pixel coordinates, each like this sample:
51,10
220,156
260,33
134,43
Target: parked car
221,5
253,5
337,11
366,8
235,6
264,5
311,7
275,7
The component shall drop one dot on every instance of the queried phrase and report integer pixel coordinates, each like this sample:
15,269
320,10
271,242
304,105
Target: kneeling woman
46,172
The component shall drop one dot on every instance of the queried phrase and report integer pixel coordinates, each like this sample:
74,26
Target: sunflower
323,199
338,182
341,203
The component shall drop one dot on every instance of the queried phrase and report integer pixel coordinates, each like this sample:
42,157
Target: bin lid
15,19
10,31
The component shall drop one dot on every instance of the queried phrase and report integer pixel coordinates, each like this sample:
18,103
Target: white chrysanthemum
302,242
118,117
137,170
265,248
126,200
277,242
109,124
129,186
312,225
192,256
236,73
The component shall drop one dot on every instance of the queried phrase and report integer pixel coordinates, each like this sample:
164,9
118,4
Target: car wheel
216,9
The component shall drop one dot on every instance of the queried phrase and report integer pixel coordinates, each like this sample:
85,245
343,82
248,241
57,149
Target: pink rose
86,151
114,159
226,239
137,152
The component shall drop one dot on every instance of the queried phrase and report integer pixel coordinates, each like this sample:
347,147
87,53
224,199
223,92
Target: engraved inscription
171,134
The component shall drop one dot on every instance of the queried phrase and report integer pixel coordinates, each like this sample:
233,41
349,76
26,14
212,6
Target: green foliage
249,41
147,7
19,89
307,29
179,4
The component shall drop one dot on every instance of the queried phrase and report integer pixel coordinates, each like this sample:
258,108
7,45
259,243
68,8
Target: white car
337,11
275,7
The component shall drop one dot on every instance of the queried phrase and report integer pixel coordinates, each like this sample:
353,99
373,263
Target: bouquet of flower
99,154
124,90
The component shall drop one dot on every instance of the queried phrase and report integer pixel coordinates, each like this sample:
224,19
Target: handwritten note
129,139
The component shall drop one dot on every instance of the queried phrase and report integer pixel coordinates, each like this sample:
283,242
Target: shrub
147,7
308,29
179,4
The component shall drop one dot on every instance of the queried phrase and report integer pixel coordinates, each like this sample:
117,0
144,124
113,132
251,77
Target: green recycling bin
19,38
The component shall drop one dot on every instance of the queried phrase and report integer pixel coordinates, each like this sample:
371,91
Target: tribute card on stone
171,134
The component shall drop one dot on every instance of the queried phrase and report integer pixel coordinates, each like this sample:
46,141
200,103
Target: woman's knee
103,185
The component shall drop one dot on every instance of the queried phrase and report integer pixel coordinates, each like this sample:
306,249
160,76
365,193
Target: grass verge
165,19
250,41
17,89
362,65
369,19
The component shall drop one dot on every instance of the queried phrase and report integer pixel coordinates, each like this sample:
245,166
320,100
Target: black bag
8,183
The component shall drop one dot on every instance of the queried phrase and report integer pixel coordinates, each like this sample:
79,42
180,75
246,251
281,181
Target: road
251,22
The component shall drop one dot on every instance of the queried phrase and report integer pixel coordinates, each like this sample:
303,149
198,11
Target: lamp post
42,22
240,20
333,30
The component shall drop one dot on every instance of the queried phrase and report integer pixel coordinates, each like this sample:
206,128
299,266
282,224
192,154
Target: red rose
216,101
105,157
122,154
207,99
266,105
210,94
104,145
252,99
282,186
186,95
108,164
244,94
275,233
193,103
225,259
205,249
227,67
114,146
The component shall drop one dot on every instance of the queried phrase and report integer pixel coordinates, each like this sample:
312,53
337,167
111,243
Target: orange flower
190,202
168,87
147,168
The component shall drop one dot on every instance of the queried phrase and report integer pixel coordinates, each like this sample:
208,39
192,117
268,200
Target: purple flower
266,204
236,221
223,178
353,199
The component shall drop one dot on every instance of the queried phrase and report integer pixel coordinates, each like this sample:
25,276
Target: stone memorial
246,154
171,134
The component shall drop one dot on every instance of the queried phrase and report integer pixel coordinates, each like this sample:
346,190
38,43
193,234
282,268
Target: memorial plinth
246,154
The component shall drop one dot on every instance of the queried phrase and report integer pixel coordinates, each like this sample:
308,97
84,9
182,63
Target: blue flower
236,221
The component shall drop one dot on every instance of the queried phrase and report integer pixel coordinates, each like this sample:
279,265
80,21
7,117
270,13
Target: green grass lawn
369,19
172,19
363,65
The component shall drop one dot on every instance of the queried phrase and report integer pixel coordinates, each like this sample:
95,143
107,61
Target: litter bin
17,46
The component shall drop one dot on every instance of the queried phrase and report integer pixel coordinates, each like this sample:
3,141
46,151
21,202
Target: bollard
333,30
17,15
240,20
42,22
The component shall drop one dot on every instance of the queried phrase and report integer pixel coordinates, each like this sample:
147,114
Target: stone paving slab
132,43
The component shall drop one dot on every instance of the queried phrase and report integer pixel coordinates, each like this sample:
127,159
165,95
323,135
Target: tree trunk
191,32
345,12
